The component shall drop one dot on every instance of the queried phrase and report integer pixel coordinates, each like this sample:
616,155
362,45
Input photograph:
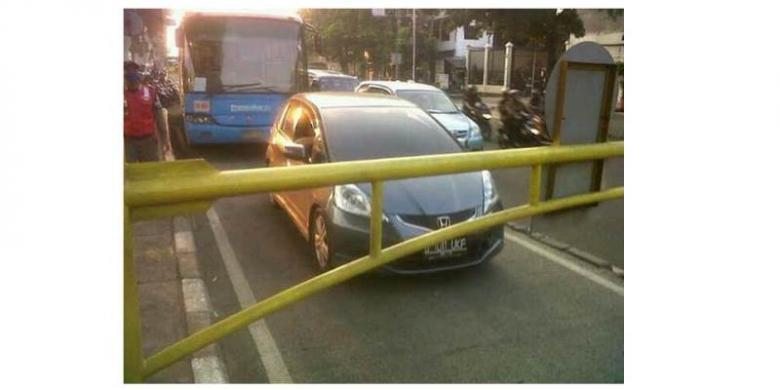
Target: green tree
348,35
543,28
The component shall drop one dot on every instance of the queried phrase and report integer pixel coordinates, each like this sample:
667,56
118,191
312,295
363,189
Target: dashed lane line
270,356
558,258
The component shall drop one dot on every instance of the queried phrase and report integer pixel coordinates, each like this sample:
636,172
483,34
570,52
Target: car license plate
446,248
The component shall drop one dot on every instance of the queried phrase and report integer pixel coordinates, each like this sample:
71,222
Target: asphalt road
519,318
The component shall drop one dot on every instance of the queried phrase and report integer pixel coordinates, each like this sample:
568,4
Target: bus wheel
179,143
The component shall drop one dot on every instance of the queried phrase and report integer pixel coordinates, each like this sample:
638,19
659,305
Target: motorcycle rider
470,99
474,108
513,114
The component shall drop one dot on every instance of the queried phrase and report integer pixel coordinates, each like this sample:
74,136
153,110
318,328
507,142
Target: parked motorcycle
481,115
166,89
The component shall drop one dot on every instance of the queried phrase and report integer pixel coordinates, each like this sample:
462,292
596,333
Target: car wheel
319,237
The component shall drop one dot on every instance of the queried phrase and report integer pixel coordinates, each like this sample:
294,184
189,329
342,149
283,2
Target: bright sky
177,14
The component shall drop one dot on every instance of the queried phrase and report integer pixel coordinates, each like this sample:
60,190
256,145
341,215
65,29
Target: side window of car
363,89
304,126
289,119
378,91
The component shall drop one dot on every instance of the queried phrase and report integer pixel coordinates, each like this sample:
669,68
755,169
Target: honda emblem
443,221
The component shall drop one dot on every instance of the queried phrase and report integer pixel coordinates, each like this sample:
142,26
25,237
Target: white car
436,103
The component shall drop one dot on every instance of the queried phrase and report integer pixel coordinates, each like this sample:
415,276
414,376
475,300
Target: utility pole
414,45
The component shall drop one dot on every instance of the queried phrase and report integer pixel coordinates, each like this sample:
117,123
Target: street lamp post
468,71
485,70
508,65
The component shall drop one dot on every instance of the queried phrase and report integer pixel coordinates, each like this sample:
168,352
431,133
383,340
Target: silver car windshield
431,101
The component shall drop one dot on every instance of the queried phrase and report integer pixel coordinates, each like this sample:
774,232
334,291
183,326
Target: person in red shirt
142,111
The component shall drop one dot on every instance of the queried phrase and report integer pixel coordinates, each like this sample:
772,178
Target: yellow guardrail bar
153,190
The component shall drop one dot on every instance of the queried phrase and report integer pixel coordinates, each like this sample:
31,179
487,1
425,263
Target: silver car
435,102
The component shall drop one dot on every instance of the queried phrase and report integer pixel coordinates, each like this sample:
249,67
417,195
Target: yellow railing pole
134,358
534,188
156,189
240,320
377,195
155,184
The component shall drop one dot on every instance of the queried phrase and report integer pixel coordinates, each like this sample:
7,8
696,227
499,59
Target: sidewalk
594,234
173,299
163,320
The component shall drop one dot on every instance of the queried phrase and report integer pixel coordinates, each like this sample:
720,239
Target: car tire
320,241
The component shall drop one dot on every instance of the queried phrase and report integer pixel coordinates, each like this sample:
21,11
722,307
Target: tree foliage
349,33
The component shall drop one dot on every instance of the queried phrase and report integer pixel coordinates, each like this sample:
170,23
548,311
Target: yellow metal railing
154,190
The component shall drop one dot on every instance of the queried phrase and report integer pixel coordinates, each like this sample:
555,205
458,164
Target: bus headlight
200,119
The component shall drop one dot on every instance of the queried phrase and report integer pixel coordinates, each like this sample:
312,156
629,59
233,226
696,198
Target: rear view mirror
295,152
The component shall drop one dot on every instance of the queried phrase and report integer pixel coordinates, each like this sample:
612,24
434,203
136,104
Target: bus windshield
243,54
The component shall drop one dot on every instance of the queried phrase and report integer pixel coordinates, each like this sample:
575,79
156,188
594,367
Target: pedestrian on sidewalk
142,113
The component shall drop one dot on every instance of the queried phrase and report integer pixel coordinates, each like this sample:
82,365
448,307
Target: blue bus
236,72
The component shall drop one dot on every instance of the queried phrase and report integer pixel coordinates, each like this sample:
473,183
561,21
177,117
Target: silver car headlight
349,198
490,195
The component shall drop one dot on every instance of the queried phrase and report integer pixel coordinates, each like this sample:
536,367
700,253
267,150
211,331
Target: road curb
207,363
562,246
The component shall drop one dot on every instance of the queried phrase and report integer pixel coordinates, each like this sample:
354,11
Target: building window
469,32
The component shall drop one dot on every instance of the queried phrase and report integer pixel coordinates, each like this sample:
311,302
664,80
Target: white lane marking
264,342
558,258
208,370
195,297
184,242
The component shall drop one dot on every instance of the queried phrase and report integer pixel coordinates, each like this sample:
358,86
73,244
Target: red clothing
140,106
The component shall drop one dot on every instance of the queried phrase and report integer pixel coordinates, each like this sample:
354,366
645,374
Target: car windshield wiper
253,84
434,111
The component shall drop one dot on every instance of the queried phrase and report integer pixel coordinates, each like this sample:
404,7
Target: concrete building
452,48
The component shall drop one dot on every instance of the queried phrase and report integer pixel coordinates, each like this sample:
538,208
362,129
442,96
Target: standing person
142,111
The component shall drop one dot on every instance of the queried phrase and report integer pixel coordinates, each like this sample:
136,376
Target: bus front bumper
199,134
